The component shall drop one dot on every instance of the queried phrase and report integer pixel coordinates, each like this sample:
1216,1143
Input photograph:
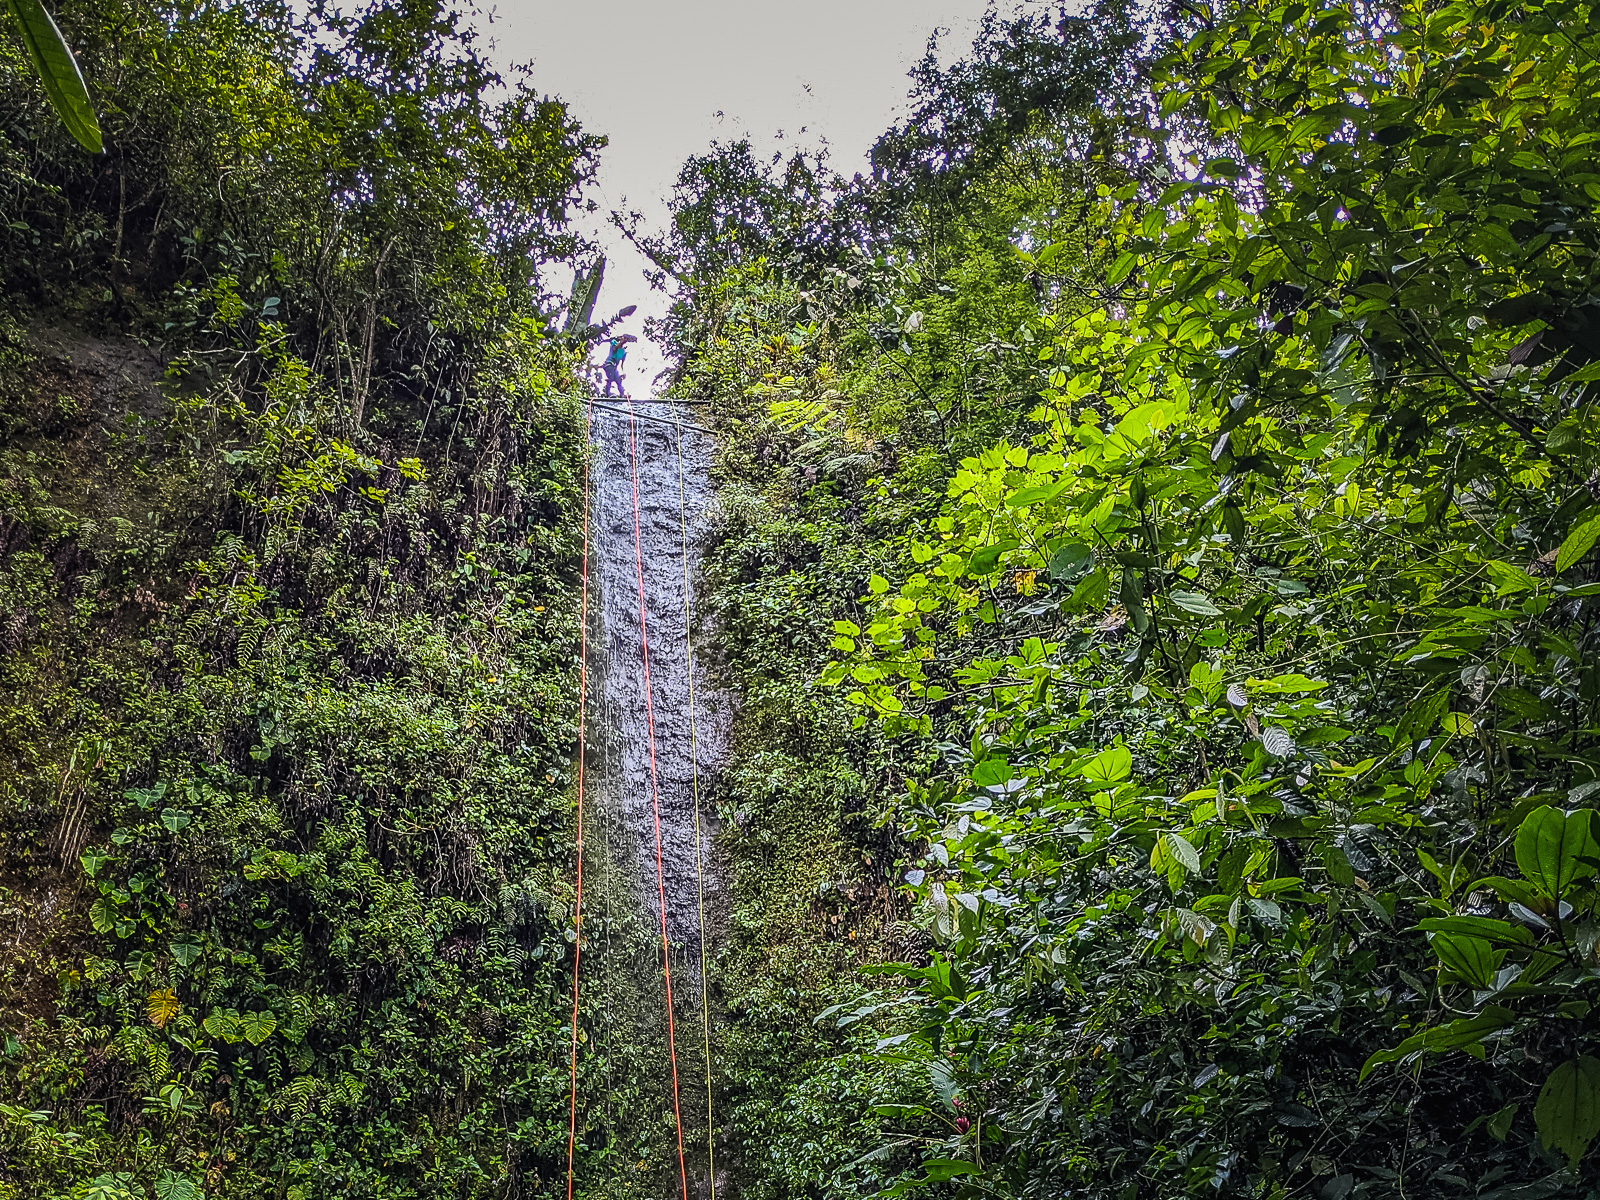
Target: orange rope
655,795
583,686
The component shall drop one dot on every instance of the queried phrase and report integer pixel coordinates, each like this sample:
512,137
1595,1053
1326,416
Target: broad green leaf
991,772
184,953
1565,437
224,1025
1500,1124
1507,889
1568,1111
1265,910
1070,561
1509,579
258,1026
1179,849
1091,592
1024,497
1551,847
172,1186
103,915
58,71
940,1169
1323,735
120,1186
1338,865
1280,684
987,560
1488,929
1470,959
1194,602
1233,522
1230,869
1466,1034
1577,544
1109,766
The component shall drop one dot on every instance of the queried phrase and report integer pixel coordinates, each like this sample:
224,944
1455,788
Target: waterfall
671,524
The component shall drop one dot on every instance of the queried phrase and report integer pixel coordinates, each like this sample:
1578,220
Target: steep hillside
288,562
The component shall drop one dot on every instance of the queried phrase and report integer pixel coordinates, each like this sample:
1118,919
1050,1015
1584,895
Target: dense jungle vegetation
1158,520
1156,561
290,517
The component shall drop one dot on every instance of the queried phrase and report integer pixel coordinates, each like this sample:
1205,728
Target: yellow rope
694,786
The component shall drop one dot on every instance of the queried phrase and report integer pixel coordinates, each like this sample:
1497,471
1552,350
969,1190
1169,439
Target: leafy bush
1230,524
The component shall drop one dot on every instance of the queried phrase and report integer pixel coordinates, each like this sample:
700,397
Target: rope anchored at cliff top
577,941
593,538
655,794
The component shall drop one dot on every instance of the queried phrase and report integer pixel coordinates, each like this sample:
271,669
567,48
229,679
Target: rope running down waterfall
655,795
583,690
694,787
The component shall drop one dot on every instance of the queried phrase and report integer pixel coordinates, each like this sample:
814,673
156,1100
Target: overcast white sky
662,79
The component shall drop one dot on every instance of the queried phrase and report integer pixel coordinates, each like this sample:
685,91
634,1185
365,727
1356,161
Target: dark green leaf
987,560
1469,959
1551,848
1568,1111
1070,561
1194,602
1465,1034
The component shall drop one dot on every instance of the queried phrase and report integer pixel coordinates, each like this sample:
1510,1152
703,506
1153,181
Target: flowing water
664,517
671,462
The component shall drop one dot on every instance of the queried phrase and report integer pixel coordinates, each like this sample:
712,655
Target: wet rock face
688,754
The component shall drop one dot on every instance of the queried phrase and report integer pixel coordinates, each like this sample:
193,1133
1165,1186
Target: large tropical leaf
63,82
1554,849
1568,1112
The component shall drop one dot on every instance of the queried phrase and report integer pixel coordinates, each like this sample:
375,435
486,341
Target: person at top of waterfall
614,361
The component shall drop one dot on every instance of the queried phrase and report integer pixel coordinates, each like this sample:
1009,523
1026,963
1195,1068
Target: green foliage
289,485
58,71
1568,1113
1217,466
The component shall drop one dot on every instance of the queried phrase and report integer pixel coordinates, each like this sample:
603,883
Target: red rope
655,795
583,687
